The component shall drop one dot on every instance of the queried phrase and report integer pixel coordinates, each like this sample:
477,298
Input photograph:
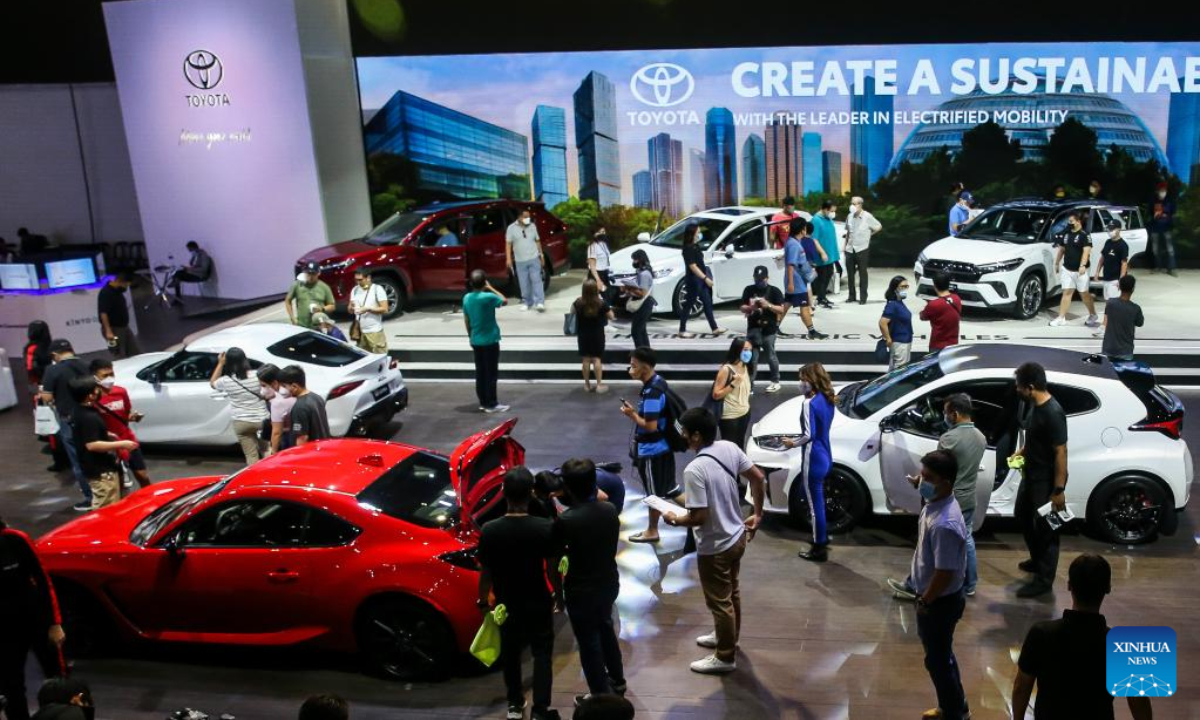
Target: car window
394,229
185,366
416,490
748,237
487,221
710,229
1074,401
327,530
1015,225
316,349
455,231
1130,218
988,402
884,390
160,519
1059,228
248,523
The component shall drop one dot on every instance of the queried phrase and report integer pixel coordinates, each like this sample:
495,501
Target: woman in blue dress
816,417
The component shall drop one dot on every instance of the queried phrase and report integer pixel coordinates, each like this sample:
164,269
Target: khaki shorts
375,342
106,489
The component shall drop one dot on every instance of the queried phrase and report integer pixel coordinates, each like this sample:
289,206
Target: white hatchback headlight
999,267
663,273
775,442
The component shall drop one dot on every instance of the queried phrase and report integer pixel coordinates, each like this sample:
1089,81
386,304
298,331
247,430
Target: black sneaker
1034,589
1027,565
515,712
618,687
581,699
544,714
57,468
816,553
83,506
814,334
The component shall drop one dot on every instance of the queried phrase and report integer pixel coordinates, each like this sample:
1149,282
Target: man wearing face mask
1114,260
1095,190
762,304
281,401
960,213
308,419
113,311
97,451
311,295
1071,264
860,226
523,252
1162,219
937,573
826,236
117,411
780,222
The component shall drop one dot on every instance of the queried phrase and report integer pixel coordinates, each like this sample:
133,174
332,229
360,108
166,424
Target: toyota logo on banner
662,84
203,69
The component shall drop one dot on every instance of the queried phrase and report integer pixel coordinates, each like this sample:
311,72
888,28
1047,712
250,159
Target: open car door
477,468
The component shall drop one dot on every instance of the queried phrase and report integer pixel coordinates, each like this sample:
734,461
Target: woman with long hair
816,417
896,323
698,282
233,376
731,388
641,303
30,621
598,262
591,315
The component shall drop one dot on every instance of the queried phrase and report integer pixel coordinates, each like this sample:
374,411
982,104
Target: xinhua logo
667,84
1141,662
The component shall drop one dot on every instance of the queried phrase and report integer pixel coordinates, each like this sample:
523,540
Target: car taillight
467,559
393,364
342,389
1172,427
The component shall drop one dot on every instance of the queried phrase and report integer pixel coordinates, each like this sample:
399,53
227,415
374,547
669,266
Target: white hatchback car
1004,258
735,240
1130,471
172,390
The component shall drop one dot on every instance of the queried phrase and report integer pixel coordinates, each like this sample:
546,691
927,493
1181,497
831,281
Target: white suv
1004,258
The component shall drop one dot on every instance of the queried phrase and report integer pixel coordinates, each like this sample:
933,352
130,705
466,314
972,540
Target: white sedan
1129,469
735,240
172,390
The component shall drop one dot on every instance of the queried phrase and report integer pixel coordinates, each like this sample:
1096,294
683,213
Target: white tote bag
45,421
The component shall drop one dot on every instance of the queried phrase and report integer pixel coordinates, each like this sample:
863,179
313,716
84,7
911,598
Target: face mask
928,490
525,221
1162,195
747,355
602,236
1093,189
903,294
831,214
949,420
805,387
1114,234
284,391
699,237
107,383
760,284
267,392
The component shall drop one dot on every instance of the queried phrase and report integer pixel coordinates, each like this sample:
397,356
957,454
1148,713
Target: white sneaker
773,388
1058,322
1092,321
541,307
523,307
707,641
497,409
712,666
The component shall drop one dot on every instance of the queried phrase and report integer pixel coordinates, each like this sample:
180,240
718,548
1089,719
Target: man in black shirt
1122,317
114,316
1071,264
1045,478
587,534
1066,658
94,446
1114,260
513,552
762,304
308,418
56,390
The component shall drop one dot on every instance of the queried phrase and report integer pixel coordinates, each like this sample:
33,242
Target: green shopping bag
486,645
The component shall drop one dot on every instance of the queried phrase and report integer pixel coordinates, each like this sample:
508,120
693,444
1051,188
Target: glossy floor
818,641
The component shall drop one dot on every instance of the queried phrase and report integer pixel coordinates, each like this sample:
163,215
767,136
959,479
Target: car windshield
316,349
395,228
886,389
710,230
416,490
155,522
1014,225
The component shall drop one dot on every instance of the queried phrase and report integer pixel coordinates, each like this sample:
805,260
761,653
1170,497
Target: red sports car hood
339,251
477,468
112,525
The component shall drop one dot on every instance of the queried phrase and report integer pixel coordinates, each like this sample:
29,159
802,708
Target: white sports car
172,390
1129,468
735,240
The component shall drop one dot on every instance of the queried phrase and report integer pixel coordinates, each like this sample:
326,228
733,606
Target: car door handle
454,257
282,576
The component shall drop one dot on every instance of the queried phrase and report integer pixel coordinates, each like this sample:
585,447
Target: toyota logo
669,84
202,69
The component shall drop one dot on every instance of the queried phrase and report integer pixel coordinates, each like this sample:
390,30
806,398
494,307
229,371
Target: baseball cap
760,272
966,195
61,345
1113,224
312,267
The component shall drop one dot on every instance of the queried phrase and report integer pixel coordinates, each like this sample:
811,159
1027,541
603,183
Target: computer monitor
70,273
18,276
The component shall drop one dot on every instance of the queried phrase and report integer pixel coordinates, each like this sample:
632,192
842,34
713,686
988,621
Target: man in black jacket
30,616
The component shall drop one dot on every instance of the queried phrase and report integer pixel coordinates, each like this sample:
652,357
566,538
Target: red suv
411,254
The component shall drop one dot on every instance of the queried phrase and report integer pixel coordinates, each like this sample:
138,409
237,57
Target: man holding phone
762,304
652,455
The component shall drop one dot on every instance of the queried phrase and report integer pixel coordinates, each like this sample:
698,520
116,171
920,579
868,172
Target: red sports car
354,545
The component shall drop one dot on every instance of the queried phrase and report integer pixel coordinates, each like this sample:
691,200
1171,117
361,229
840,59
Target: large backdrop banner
676,131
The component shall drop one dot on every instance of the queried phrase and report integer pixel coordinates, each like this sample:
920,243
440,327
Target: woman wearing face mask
731,389
816,417
30,618
598,262
640,303
233,377
699,281
280,402
896,323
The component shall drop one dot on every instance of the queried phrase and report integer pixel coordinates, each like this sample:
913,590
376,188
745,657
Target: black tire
1128,510
846,501
682,296
1031,295
87,625
404,639
397,296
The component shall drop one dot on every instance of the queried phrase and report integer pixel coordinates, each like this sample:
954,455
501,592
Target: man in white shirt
714,510
523,250
368,303
860,226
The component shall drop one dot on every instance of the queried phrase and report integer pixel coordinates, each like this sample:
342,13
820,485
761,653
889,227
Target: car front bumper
997,291
777,468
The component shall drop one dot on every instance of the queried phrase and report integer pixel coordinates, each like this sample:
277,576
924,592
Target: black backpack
675,407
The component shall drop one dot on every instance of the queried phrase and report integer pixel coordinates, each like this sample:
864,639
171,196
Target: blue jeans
66,436
697,288
1163,247
972,570
529,277
935,626
599,652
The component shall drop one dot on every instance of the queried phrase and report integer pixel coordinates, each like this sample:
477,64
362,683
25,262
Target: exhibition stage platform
431,343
